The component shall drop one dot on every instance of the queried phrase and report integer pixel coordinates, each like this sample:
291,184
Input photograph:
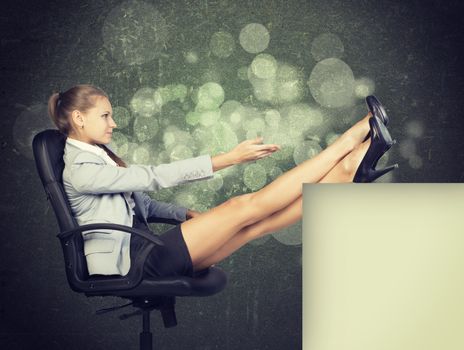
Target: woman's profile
102,188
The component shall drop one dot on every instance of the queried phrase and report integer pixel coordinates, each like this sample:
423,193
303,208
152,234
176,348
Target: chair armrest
150,237
105,283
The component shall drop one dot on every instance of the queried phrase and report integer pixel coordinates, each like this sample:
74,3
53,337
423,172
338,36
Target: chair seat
204,283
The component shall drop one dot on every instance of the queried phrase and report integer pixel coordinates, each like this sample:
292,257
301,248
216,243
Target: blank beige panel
383,266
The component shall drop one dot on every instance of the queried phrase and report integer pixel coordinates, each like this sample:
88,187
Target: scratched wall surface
192,77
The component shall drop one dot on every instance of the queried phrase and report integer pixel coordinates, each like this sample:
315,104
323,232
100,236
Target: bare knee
243,199
244,206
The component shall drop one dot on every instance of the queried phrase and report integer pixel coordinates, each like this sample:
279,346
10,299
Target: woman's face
98,122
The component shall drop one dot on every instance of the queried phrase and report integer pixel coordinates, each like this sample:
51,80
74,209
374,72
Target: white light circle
180,152
272,117
144,104
162,95
274,173
407,148
256,124
210,96
289,91
208,118
254,38
291,235
280,137
363,87
122,117
302,116
173,136
331,83
306,150
215,184
145,128
232,111
414,128
415,162
179,92
265,90
119,144
264,66
254,177
215,139
268,163
141,155
185,199
169,139
193,118
286,86
191,57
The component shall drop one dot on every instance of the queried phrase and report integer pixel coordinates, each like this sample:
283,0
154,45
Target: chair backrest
48,147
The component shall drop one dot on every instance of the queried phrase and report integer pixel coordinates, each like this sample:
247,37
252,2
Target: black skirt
172,259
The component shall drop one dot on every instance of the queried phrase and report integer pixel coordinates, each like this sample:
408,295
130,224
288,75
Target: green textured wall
189,77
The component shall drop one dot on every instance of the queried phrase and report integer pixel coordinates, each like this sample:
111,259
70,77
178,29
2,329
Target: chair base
146,339
166,305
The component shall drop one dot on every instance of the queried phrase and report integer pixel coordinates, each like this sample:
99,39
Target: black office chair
146,294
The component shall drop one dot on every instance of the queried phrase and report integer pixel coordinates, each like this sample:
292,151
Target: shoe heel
378,173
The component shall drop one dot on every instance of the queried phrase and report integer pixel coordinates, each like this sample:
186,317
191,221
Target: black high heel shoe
377,110
381,142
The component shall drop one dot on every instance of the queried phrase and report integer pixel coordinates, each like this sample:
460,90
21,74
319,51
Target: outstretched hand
254,149
246,151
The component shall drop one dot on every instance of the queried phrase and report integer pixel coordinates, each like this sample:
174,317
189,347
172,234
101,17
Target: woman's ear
77,119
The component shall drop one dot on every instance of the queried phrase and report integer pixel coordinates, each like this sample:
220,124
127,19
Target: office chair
145,294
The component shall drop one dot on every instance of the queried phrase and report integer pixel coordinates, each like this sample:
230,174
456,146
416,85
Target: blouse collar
91,148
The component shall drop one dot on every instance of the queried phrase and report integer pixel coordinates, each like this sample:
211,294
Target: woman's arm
246,151
88,173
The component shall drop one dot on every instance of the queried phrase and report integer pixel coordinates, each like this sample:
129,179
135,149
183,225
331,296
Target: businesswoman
102,188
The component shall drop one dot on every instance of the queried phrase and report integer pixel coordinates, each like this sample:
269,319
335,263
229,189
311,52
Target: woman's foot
357,133
376,110
350,164
380,143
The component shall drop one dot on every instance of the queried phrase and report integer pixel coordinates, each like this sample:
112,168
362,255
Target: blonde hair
80,97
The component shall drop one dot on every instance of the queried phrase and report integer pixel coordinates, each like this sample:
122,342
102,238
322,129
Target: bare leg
230,217
283,218
343,172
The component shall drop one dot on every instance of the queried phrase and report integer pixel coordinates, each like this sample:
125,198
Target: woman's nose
112,123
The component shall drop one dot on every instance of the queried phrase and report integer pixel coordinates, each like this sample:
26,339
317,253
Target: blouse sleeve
90,174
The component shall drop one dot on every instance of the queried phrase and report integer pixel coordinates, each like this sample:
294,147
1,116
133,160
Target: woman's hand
244,152
250,150
191,214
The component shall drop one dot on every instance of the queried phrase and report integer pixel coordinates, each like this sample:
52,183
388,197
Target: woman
101,188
